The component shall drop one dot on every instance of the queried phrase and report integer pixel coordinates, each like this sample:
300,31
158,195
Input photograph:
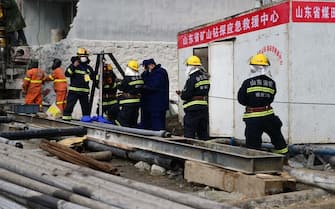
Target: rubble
143,166
156,170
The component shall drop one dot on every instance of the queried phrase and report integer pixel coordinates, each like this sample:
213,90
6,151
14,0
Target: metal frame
225,156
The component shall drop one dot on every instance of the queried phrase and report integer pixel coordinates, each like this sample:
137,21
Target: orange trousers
34,96
61,99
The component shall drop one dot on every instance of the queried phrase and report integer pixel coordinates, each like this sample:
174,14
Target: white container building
299,39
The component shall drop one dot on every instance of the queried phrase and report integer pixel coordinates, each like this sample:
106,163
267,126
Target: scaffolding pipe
44,133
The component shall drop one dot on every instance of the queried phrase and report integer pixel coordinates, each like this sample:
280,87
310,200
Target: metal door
221,106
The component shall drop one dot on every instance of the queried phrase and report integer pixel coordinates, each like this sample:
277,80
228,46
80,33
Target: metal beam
229,157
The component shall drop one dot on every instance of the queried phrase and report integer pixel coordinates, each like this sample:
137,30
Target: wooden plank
70,155
231,181
210,175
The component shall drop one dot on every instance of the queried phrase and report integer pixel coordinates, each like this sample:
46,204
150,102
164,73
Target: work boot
95,118
66,118
101,119
86,118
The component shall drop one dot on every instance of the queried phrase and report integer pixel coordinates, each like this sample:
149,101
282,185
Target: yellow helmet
133,64
259,59
109,67
82,52
193,60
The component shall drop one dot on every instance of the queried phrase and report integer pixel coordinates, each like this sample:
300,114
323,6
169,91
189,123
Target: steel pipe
108,192
44,133
9,204
182,198
138,155
6,119
321,179
13,143
144,132
23,201
101,156
37,197
50,190
95,146
177,197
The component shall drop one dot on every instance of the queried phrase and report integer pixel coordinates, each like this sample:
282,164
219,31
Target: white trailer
299,39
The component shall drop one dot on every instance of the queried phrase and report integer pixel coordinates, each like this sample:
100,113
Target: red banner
306,11
260,19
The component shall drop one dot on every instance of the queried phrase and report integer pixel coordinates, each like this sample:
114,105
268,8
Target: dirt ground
127,169
178,183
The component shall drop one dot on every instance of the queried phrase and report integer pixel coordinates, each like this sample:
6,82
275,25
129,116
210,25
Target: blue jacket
155,95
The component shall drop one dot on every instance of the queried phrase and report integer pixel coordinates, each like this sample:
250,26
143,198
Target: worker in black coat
155,96
130,100
110,106
195,96
80,74
257,93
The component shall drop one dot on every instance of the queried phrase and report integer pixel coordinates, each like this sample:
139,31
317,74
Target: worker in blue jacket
155,96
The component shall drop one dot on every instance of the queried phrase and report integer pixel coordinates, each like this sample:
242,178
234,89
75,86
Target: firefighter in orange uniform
60,84
32,84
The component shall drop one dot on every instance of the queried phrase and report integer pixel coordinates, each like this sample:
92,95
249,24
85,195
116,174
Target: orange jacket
58,77
33,80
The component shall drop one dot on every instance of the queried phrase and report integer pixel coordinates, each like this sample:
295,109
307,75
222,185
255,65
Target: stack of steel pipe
52,183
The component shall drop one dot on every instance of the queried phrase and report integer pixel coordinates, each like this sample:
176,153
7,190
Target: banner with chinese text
307,11
257,20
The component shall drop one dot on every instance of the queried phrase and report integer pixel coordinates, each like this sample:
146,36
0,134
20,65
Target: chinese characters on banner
265,18
306,11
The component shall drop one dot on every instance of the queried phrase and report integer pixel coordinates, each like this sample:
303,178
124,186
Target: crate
26,108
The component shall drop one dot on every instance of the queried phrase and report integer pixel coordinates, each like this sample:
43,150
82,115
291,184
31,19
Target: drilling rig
13,63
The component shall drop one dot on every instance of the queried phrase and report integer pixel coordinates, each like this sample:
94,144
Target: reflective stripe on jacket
257,92
59,79
34,79
197,85
80,77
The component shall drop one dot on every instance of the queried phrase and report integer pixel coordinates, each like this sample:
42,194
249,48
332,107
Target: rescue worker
195,96
60,83
257,93
80,74
32,84
131,87
155,96
14,23
110,105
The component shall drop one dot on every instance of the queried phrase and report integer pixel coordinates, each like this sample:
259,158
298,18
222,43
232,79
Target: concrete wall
43,16
148,20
